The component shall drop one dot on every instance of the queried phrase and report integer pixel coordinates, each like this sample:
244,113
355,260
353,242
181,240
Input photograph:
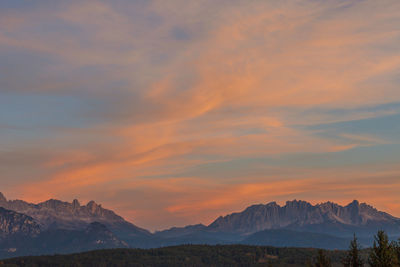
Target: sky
175,112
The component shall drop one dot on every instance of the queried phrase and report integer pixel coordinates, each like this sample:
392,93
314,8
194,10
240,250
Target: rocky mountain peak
75,204
2,198
273,204
328,206
93,207
54,204
354,203
365,206
298,204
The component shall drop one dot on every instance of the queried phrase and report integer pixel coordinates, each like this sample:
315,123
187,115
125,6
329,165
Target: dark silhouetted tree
309,263
322,260
353,258
383,253
396,247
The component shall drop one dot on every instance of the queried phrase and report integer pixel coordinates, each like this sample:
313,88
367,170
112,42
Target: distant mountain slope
300,215
13,223
289,238
56,214
193,234
95,236
180,231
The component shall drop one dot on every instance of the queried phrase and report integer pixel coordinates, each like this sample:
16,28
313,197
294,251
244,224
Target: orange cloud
233,89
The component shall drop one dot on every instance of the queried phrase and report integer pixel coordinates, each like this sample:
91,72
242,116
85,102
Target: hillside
14,223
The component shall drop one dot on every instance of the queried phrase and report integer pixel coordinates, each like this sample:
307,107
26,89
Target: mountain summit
2,198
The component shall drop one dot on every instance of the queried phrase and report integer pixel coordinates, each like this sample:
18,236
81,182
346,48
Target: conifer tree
322,260
353,258
383,253
396,247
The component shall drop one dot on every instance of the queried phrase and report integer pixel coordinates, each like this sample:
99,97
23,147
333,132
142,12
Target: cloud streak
188,101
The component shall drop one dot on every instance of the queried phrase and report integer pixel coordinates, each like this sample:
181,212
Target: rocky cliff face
13,223
56,214
302,215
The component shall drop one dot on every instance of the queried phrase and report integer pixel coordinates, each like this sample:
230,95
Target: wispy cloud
100,98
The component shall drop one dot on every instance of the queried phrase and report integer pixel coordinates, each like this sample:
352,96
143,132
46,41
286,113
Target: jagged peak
75,201
365,205
258,206
53,202
328,204
255,206
354,203
93,206
92,203
295,202
2,198
272,204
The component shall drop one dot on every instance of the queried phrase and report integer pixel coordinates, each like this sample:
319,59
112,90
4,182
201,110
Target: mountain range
55,226
296,215
53,214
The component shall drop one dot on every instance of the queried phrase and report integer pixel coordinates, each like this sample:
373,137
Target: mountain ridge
298,214
55,213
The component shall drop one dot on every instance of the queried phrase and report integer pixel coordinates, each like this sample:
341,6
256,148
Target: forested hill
187,255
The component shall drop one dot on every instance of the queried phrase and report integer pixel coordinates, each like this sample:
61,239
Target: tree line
383,254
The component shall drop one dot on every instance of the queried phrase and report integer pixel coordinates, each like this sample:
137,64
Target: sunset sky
175,112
